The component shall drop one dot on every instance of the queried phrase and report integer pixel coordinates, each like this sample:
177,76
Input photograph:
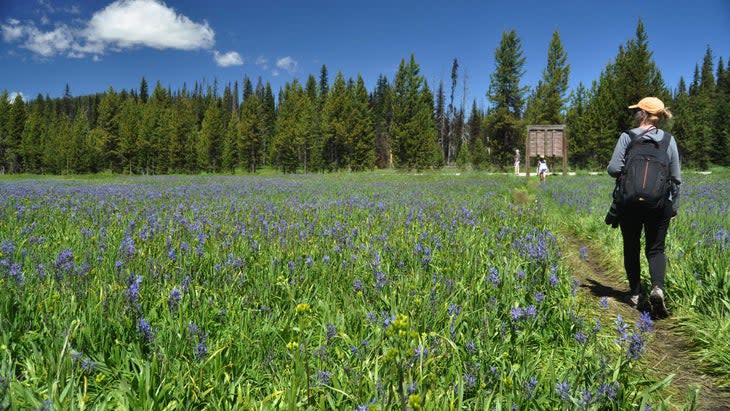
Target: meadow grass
343,291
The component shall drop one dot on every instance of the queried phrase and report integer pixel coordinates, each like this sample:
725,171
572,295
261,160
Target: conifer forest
322,124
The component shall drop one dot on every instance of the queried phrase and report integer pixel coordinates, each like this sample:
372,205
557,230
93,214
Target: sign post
548,141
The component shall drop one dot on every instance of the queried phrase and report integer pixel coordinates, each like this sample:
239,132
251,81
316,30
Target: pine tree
314,141
269,114
721,125
413,127
4,128
230,158
143,91
30,150
547,103
382,109
474,126
503,123
83,155
335,116
441,120
14,134
130,148
455,118
291,128
578,128
362,133
183,153
108,125
211,138
632,76
251,134
324,87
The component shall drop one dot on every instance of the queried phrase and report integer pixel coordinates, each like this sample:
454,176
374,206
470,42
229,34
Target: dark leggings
655,223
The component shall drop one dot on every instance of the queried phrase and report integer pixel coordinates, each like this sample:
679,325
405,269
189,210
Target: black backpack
644,180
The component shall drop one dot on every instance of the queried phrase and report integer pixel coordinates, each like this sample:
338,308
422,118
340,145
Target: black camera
612,217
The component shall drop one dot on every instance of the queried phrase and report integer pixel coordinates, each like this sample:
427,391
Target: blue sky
93,44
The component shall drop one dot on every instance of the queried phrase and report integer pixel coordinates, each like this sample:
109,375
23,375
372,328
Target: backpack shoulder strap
664,144
634,138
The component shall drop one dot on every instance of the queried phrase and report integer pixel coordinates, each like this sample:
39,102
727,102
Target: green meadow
370,291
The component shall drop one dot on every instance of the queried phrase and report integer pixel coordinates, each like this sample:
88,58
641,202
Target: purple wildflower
580,337
7,248
357,284
494,277
454,310
539,296
133,289
645,324
597,326
470,380
87,366
185,286
636,347
587,399
621,328
603,302
193,329
583,253
520,275
324,377
553,280
201,350
174,299
65,261
471,348
517,313
530,386
420,352
563,390
17,274
127,249
144,329
331,331
531,311
608,391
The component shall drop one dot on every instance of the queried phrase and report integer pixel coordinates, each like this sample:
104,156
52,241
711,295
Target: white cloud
11,31
287,63
231,58
121,25
11,96
263,62
129,23
48,43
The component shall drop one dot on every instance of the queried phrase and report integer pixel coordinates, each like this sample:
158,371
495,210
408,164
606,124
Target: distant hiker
645,162
542,168
517,161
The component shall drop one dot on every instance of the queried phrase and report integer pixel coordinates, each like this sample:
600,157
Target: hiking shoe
634,299
656,298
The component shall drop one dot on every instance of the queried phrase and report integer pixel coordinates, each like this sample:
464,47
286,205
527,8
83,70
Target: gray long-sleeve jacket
618,160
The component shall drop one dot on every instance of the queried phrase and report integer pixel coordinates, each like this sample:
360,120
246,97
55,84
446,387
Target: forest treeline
322,125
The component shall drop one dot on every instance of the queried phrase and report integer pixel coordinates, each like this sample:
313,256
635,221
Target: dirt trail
668,351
